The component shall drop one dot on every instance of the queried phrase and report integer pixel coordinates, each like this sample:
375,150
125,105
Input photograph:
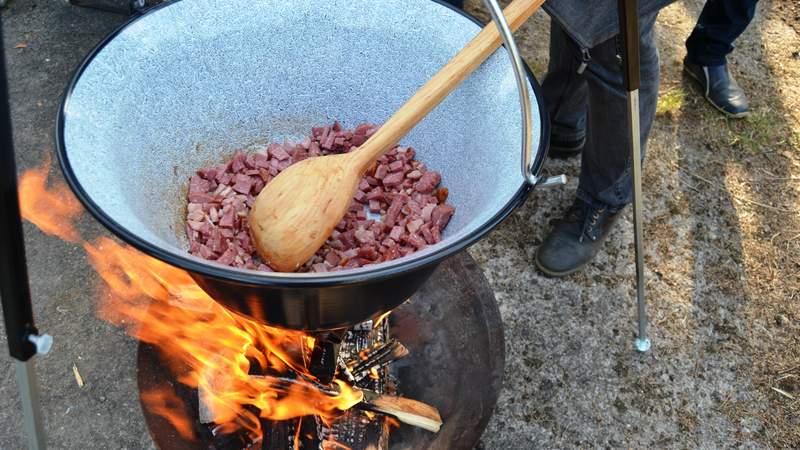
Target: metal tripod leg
642,342
629,32
29,393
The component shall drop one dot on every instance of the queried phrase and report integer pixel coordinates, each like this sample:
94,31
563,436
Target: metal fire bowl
453,329
190,81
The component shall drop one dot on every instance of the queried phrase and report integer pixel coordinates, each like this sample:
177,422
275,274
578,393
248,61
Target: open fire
247,372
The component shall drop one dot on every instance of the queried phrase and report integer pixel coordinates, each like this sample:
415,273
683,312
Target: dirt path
723,239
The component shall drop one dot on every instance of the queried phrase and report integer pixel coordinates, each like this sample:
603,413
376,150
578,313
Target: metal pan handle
524,99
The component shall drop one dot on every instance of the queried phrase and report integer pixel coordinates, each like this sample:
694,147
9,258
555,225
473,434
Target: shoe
565,148
575,239
720,89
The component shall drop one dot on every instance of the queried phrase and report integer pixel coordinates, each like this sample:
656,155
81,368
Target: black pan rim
209,269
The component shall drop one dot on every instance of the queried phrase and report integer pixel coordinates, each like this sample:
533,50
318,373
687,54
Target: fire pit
236,358
452,330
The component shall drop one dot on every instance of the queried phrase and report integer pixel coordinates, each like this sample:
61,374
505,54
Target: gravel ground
723,235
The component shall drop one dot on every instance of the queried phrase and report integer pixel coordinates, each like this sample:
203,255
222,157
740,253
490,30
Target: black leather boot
575,239
719,88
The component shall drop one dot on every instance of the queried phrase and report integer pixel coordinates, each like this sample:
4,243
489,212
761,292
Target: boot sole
554,274
729,114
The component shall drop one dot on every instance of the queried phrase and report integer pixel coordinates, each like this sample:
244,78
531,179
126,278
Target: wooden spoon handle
440,85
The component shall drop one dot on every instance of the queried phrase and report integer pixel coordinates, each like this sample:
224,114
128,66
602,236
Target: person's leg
720,23
606,166
565,94
605,185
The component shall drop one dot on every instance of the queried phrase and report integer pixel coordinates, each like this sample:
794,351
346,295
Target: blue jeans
720,23
593,104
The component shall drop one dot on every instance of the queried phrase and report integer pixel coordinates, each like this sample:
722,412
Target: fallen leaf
78,377
783,393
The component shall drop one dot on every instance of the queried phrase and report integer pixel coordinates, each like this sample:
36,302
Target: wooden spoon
298,210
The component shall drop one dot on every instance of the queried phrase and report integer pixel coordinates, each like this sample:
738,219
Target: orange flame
164,402
51,210
209,347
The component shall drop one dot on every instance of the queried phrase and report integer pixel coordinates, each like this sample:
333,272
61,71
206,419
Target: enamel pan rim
276,278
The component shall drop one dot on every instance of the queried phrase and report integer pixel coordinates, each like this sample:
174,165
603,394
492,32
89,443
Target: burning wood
365,353
376,359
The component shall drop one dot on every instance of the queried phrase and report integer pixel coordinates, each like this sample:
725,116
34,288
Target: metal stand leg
629,31
29,393
642,342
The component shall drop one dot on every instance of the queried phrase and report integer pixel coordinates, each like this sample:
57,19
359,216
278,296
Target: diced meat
375,194
442,194
381,171
416,241
206,252
228,218
227,257
396,233
237,164
358,139
243,184
396,166
393,179
441,216
428,182
278,152
363,129
414,175
374,206
393,211
260,161
208,174
368,252
198,185
364,236
427,210
414,225
332,259
398,188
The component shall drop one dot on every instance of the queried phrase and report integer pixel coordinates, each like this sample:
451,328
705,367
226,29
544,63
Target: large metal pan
188,82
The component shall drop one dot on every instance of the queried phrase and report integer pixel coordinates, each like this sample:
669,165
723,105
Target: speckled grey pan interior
186,84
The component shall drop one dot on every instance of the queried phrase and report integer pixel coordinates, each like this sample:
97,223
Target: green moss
670,102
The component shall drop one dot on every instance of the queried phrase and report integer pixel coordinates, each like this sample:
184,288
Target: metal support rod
642,342
629,31
23,339
29,394
522,87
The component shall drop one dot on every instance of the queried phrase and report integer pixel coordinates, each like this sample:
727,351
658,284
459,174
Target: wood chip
78,377
782,392
21,45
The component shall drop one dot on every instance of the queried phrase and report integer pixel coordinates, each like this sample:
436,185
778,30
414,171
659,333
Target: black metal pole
14,288
629,31
23,339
